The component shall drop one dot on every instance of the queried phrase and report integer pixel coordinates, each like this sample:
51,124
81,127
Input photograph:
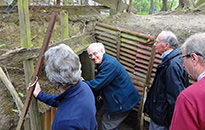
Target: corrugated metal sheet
48,118
135,52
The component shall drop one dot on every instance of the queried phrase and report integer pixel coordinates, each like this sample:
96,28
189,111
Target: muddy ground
183,25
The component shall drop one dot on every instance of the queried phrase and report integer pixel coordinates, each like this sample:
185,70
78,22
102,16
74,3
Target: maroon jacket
189,113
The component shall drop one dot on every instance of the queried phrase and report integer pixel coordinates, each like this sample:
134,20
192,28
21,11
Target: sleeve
48,99
185,115
104,77
174,86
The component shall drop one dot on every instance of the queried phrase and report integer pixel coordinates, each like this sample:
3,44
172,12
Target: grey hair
195,44
62,65
169,37
97,46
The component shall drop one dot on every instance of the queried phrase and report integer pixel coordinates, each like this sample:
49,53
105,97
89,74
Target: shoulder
194,91
109,60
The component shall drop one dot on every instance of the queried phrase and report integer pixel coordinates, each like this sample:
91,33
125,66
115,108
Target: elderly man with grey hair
76,103
189,112
117,90
170,79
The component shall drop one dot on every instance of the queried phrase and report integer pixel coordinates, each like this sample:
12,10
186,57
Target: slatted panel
48,118
134,51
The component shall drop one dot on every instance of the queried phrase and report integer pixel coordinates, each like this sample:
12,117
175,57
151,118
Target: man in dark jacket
118,92
170,79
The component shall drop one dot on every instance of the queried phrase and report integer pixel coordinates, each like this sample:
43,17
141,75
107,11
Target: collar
174,53
69,92
166,53
201,76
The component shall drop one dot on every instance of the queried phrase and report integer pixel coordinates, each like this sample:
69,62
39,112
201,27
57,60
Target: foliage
21,94
2,45
143,5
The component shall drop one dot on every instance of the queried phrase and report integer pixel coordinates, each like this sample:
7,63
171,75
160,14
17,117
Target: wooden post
146,85
11,89
37,70
118,45
25,36
64,25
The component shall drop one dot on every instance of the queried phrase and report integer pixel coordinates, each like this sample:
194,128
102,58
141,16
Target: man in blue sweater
76,103
117,90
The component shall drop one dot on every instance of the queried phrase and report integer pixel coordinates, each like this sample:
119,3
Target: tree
151,7
164,5
186,4
141,5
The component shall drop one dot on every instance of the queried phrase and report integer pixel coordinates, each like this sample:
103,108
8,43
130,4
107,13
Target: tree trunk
151,7
186,3
164,5
200,2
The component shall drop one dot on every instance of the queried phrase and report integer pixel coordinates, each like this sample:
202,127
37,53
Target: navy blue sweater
118,92
76,108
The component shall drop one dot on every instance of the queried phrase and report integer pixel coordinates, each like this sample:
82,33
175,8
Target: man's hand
37,90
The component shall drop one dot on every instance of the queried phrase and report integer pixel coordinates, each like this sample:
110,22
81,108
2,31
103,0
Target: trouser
111,122
154,126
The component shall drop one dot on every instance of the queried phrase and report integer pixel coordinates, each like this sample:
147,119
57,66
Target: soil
183,25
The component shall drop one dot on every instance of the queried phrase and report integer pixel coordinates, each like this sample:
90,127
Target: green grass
142,13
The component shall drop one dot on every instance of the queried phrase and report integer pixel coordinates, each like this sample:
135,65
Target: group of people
170,103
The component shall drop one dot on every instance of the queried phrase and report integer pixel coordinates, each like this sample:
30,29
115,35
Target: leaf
15,110
21,94
2,45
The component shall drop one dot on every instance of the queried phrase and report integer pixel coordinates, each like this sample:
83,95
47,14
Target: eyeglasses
189,55
186,56
94,54
157,42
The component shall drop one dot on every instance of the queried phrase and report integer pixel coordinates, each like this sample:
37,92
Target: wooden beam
64,25
117,5
72,10
11,58
109,3
12,90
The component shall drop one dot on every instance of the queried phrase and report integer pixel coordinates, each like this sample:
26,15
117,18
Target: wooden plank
78,44
64,25
109,3
72,10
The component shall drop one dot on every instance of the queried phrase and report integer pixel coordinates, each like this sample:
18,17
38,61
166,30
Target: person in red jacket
189,113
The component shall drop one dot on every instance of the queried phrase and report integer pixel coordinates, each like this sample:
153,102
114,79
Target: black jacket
171,78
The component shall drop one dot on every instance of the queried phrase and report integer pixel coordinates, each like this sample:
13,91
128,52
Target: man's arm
174,86
104,77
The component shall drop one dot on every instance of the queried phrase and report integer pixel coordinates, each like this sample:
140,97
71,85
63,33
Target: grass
142,13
